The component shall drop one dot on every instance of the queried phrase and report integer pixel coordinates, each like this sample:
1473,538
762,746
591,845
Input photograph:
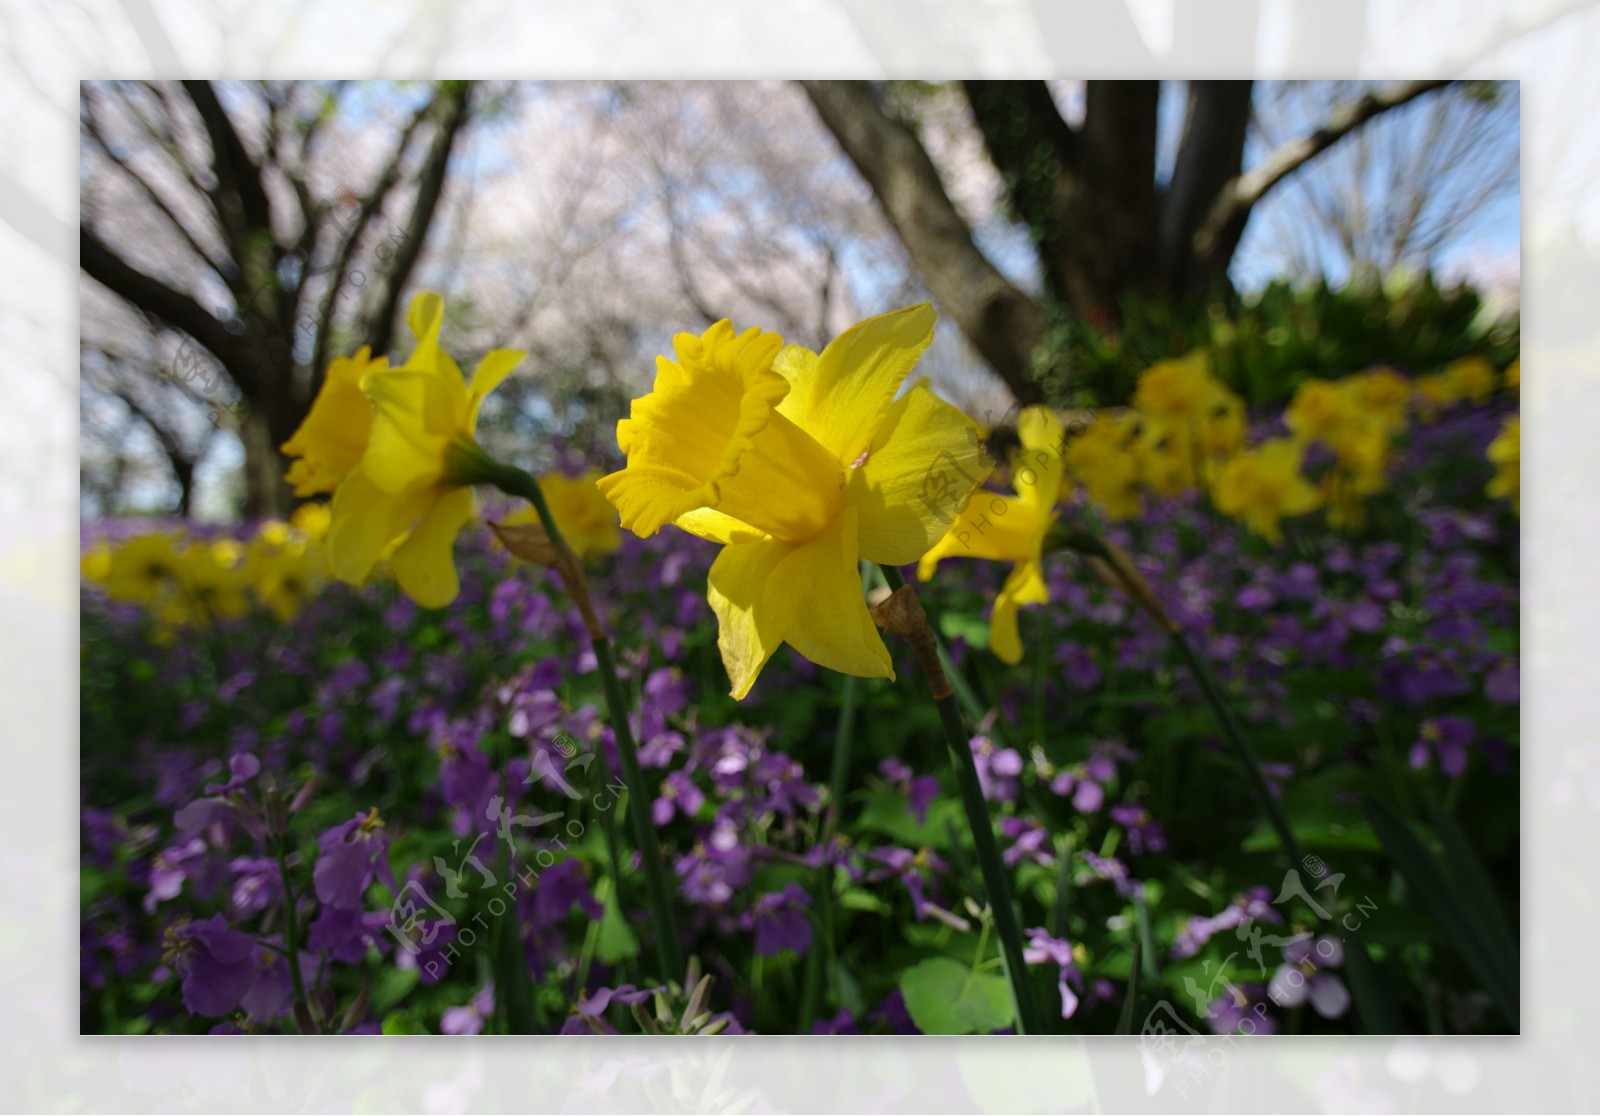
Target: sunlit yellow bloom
1167,457
1319,412
412,483
1177,389
333,435
212,587
1380,395
1262,486
95,564
586,518
1505,454
285,577
1012,528
143,569
1432,394
801,465
1102,460
1513,375
1222,422
1471,378
312,520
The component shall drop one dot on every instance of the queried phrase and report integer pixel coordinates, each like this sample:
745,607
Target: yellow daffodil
800,464
143,569
312,521
1012,528
1264,485
333,435
1472,378
1319,412
1513,375
1102,460
95,564
587,520
1176,390
1166,454
412,482
1505,454
1379,394
285,577
1222,423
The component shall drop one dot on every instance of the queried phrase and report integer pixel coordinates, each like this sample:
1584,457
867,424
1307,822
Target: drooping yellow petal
832,627
1024,586
1036,472
751,618
365,520
927,462
842,396
424,565
993,527
416,415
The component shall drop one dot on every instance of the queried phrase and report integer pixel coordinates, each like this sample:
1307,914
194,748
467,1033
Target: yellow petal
1024,586
417,413
751,621
424,565
1036,473
925,462
997,528
491,370
333,436
718,527
365,520
832,627
841,398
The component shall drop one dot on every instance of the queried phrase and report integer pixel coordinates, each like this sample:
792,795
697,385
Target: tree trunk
266,493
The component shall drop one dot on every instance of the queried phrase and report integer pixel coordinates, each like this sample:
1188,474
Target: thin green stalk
816,962
291,929
995,880
669,952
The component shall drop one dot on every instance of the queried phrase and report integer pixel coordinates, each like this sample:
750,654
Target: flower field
1187,718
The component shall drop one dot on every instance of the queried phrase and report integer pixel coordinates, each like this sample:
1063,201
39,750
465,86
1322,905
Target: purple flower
842,1024
1144,832
998,769
1241,1012
217,964
589,1012
169,868
679,795
1306,975
1448,739
241,769
345,934
1251,906
1503,684
1042,949
781,921
354,853
468,1019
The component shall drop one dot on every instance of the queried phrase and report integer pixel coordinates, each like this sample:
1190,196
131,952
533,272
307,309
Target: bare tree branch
430,185
1002,322
1219,233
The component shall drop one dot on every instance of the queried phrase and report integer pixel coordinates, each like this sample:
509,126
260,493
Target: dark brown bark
1000,321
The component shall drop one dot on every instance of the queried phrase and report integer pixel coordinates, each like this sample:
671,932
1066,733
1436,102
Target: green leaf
1443,902
617,941
945,997
392,987
859,899
958,625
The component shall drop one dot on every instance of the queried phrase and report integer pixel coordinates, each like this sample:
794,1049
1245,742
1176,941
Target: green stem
291,921
995,880
669,951
1241,747
816,962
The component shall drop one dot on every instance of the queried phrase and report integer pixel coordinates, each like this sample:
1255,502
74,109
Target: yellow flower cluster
1186,431
586,518
1505,454
184,582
